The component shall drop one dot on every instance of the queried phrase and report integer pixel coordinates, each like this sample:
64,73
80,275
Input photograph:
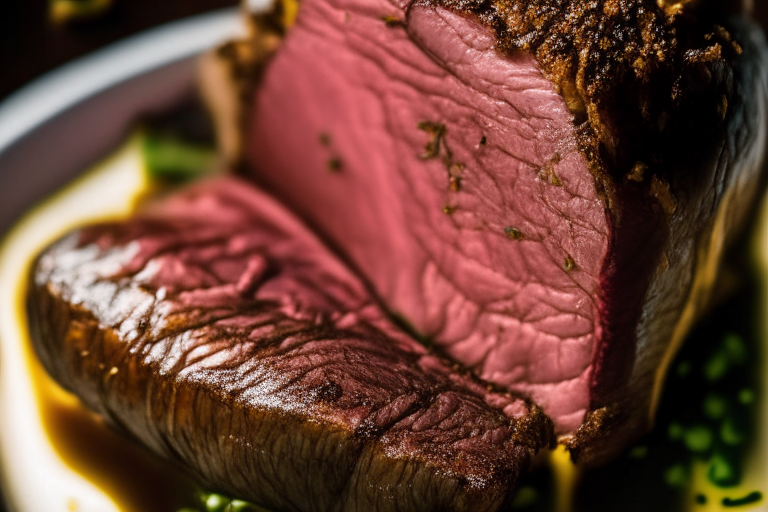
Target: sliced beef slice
217,329
542,189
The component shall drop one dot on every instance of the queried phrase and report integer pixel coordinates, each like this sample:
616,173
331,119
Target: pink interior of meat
449,177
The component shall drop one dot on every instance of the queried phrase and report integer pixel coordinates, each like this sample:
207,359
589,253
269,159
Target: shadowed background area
31,43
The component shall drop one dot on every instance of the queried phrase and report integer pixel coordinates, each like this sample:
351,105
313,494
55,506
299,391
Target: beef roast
543,189
540,191
217,330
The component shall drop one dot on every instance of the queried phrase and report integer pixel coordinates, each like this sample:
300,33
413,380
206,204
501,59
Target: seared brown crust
284,403
668,101
626,68
668,104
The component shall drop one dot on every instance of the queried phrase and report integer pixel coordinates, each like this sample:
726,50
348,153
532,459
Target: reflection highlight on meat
217,330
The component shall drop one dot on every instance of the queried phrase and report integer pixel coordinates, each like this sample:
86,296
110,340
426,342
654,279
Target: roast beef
539,191
216,329
542,189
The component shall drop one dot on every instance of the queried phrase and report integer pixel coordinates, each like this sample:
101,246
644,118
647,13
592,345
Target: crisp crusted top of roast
629,70
641,77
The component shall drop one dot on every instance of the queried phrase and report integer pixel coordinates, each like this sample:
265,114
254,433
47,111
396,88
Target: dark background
30,44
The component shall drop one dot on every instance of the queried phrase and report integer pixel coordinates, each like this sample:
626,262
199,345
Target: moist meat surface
558,180
503,184
463,165
216,329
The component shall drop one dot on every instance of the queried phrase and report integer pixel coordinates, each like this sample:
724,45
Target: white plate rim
54,92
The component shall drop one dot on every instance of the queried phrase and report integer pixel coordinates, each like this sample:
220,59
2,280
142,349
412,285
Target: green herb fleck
547,172
455,183
731,434
676,476
735,348
169,158
215,503
715,406
334,164
701,499
513,233
675,431
392,21
448,209
716,367
746,397
437,132
698,439
325,139
721,472
569,264
483,140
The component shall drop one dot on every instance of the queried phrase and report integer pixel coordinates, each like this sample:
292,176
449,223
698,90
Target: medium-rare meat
539,191
218,330
542,189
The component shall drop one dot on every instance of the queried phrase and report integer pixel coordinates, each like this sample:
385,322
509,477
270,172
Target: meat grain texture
541,192
558,180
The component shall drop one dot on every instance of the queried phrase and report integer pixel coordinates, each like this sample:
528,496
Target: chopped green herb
716,366
513,233
746,396
569,264
243,506
715,406
701,499
216,503
675,431
735,348
325,139
698,439
169,158
237,506
676,476
392,21
525,497
483,140
437,132
455,183
448,209
749,499
721,472
731,434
